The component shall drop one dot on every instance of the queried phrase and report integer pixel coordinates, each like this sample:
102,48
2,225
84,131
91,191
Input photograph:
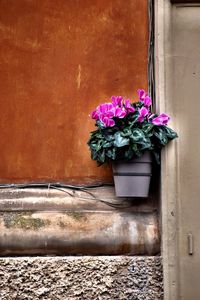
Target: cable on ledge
61,187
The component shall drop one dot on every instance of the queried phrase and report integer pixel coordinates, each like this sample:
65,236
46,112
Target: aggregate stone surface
79,278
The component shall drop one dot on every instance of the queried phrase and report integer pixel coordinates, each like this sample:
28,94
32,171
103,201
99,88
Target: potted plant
128,135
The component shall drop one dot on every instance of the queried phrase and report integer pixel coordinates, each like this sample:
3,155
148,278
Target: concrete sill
52,222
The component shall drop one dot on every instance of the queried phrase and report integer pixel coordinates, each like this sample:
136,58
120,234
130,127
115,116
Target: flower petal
162,119
120,112
143,112
142,94
117,100
147,101
107,121
128,106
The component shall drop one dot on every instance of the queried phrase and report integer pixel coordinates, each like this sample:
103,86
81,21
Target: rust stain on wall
59,59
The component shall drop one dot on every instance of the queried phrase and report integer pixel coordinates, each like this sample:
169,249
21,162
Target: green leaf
94,155
147,127
107,144
128,154
120,141
171,134
111,153
109,137
101,157
157,157
134,148
126,132
100,124
146,144
99,145
132,119
161,136
137,135
93,146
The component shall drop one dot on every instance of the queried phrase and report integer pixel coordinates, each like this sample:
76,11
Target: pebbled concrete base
79,278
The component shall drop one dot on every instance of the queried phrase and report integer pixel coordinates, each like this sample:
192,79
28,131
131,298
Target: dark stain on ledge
78,216
22,221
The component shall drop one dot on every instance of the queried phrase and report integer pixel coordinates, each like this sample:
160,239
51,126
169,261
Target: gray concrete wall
77,278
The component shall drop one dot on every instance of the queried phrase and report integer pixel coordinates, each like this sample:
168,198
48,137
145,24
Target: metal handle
190,244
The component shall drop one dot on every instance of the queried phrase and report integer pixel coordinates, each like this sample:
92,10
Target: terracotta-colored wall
58,60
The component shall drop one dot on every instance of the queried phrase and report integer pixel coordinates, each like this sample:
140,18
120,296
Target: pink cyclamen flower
119,112
107,110
95,115
144,98
162,119
128,106
107,121
142,94
117,100
147,101
143,112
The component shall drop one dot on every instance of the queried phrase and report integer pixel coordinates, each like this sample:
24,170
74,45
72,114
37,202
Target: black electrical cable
57,184
93,196
62,187
151,53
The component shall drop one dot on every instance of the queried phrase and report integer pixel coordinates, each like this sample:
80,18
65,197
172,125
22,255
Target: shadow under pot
132,178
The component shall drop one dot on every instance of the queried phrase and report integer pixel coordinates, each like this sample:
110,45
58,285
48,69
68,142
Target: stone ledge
79,232
69,222
79,278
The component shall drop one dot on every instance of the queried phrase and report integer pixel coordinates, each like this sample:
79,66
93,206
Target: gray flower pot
132,178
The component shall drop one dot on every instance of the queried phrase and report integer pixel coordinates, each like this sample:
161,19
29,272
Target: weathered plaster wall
59,59
79,278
